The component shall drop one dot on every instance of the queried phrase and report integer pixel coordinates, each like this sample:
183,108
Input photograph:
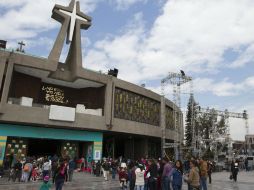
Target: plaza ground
89,182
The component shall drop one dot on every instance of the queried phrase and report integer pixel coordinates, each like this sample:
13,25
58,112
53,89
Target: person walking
160,166
234,170
246,164
26,172
114,168
140,177
106,168
72,167
17,171
193,179
59,177
46,185
54,166
209,171
98,169
152,175
167,171
177,176
46,167
132,175
203,174
123,177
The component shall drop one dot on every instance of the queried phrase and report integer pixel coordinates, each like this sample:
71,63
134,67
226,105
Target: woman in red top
123,177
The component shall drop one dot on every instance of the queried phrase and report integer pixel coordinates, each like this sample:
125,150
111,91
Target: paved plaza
86,181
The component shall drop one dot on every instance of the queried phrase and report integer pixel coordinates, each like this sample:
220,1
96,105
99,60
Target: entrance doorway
43,147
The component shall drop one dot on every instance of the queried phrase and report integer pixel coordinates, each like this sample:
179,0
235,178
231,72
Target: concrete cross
73,15
72,20
21,44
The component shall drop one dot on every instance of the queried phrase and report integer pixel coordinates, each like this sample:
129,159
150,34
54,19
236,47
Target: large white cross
73,16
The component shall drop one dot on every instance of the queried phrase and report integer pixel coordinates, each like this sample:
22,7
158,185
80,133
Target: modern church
48,107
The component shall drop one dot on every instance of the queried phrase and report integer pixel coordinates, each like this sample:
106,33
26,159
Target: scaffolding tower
176,80
215,135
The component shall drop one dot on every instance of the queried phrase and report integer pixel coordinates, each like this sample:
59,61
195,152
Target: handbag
231,177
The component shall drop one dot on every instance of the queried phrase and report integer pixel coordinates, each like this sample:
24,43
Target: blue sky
212,41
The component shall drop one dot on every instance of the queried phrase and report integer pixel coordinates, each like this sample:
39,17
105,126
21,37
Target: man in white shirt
46,168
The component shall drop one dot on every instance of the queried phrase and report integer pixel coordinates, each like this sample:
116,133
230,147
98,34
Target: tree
190,120
209,130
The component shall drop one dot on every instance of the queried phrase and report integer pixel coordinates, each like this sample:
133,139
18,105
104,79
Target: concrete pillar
97,150
2,68
59,43
109,104
163,125
3,140
7,83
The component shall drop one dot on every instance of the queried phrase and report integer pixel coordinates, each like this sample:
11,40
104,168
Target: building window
135,107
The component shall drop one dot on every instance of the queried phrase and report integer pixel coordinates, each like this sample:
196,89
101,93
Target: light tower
175,79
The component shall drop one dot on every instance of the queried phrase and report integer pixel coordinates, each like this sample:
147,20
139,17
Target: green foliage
190,121
206,127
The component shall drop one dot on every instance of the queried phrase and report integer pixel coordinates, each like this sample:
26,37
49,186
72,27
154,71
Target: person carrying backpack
59,177
26,172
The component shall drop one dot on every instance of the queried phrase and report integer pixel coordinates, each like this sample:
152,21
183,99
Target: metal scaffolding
175,79
215,135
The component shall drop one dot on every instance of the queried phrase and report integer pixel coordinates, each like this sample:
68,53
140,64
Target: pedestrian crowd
59,170
143,174
156,174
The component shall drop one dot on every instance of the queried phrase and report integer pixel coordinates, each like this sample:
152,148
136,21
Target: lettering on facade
53,94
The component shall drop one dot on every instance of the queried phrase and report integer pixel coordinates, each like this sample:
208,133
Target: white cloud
32,17
237,126
246,56
111,52
223,87
190,35
250,82
125,4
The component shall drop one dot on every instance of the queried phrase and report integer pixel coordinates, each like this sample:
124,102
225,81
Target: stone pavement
88,182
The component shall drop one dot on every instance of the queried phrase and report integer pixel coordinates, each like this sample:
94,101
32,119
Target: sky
212,41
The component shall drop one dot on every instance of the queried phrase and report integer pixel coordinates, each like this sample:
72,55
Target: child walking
46,185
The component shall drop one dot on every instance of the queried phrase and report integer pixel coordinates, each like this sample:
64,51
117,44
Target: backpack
62,171
26,168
